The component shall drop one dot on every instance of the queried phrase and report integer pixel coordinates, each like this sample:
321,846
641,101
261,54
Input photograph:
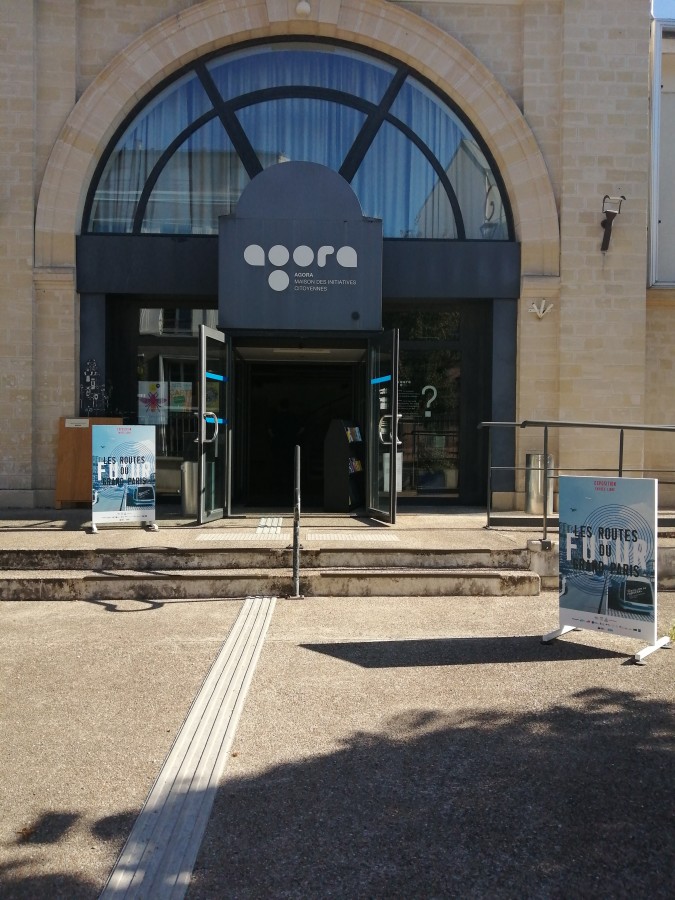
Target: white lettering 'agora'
303,256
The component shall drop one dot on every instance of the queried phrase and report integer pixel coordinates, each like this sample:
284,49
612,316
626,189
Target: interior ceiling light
296,350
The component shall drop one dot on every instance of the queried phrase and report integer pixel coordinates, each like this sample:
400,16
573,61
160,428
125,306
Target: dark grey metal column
504,325
92,333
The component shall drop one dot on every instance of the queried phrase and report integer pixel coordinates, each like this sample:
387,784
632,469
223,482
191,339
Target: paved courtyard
397,747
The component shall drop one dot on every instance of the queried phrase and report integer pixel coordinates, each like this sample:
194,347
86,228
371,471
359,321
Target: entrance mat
226,535
367,538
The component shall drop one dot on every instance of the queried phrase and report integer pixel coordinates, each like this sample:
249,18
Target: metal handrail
551,423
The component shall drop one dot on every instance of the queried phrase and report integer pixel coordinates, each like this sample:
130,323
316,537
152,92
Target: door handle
382,429
207,416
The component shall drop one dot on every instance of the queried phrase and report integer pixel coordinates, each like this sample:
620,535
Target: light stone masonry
17,120
492,32
559,90
602,318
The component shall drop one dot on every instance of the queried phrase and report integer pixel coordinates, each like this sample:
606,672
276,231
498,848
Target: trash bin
399,471
535,477
189,487
189,475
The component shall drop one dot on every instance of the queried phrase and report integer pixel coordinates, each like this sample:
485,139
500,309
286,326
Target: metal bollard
296,523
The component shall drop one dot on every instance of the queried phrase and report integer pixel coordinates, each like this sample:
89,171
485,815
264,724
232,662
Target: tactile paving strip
268,527
361,537
160,853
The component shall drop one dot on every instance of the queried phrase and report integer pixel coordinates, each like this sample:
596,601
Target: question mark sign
434,394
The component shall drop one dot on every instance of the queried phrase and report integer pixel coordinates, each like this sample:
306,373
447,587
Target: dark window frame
376,115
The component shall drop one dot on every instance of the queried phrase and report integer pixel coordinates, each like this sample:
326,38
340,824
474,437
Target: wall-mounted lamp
303,9
611,207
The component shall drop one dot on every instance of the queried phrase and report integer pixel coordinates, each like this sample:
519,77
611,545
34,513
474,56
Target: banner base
149,526
552,635
640,655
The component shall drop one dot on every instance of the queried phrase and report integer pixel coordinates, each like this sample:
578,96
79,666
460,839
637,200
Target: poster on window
608,554
153,402
212,395
180,396
122,474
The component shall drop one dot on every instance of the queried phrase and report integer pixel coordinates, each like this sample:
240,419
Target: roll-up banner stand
608,558
123,475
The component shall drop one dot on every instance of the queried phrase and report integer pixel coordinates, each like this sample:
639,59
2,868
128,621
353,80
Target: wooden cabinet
73,461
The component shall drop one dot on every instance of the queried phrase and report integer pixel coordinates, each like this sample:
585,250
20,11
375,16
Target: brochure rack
343,463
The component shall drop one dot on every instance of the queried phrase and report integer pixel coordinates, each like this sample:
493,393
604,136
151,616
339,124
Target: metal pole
228,475
489,478
296,523
545,482
621,453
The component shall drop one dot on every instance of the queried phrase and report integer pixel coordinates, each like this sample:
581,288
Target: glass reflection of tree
439,368
429,424
422,325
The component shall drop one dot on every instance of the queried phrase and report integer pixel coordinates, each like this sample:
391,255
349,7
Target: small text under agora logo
303,257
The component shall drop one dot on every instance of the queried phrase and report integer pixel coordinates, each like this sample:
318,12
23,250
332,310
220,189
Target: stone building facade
558,91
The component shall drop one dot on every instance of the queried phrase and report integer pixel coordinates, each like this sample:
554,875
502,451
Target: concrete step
178,559
162,585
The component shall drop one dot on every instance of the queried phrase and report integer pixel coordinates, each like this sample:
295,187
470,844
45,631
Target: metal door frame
221,418
389,342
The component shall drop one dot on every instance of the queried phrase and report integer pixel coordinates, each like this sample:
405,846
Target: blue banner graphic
123,474
608,554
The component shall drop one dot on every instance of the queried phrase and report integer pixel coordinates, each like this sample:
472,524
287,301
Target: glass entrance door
384,460
214,475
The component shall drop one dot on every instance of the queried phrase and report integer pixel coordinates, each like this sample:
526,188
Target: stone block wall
605,149
493,32
17,145
577,69
104,29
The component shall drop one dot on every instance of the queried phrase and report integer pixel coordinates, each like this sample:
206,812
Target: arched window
187,154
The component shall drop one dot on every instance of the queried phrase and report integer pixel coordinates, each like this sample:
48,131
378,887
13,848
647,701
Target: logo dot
254,255
303,256
278,280
278,255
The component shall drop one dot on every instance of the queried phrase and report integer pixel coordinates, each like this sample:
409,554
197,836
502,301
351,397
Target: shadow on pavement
575,800
458,652
570,800
55,886
50,828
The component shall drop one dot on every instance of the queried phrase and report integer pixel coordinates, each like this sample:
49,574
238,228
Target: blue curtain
204,176
139,148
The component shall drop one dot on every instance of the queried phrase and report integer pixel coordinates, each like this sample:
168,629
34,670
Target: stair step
96,585
426,582
178,559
